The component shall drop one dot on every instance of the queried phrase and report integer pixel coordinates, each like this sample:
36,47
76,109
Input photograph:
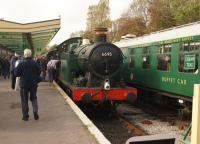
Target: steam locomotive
91,72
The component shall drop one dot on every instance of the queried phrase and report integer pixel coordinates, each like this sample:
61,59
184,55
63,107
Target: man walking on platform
29,72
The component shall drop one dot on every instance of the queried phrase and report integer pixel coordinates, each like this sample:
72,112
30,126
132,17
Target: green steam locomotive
91,71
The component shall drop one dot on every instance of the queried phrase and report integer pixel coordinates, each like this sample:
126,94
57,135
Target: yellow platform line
101,139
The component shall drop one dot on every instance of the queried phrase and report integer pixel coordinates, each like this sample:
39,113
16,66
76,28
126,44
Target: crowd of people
8,64
26,72
5,67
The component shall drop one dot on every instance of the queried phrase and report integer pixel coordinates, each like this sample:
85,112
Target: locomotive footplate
97,94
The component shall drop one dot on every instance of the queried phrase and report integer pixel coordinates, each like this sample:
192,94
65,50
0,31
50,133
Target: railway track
116,129
137,119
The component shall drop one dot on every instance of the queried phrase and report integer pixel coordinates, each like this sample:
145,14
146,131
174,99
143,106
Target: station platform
58,123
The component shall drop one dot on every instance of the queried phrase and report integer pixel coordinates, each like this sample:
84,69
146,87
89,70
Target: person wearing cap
12,67
29,72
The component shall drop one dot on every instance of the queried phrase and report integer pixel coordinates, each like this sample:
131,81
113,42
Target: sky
73,13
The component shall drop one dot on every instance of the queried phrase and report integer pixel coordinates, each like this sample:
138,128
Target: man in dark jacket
29,72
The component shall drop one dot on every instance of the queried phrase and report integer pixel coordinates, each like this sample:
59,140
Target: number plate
106,54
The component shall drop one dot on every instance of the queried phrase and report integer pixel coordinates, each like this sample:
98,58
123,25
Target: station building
15,37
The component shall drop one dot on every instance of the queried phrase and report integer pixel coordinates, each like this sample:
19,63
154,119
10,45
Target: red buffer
97,94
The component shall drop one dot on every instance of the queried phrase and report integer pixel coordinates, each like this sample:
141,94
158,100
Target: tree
98,15
161,15
186,11
133,21
140,8
143,16
128,25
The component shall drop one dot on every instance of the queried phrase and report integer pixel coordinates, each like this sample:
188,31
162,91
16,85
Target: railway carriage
165,62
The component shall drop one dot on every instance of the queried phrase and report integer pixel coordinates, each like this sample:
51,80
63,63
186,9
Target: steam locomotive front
98,72
100,61
104,60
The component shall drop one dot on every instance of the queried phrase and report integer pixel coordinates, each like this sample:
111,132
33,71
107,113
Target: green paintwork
68,62
68,65
172,81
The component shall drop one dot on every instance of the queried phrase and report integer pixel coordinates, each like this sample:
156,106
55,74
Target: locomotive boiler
91,72
100,61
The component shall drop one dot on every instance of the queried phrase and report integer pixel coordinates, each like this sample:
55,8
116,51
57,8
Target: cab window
146,58
164,57
64,47
188,57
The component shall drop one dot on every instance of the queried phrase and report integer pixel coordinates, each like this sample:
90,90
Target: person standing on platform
6,68
29,72
51,69
1,65
12,67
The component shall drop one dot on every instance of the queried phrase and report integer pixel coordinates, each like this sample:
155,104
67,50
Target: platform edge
101,139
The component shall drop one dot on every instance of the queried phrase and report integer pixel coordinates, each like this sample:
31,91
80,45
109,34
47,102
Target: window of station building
164,57
188,57
131,63
146,58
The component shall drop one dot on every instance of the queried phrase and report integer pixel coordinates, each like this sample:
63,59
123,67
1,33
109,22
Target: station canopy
36,36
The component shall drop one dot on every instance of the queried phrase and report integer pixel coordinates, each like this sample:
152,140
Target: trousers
50,74
25,93
13,79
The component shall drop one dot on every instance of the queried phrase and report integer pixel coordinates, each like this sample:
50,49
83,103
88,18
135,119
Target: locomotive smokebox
100,35
101,59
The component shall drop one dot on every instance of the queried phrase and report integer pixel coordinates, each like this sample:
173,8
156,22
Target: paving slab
58,124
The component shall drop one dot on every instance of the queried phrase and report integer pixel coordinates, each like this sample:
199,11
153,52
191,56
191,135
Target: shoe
25,118
36,116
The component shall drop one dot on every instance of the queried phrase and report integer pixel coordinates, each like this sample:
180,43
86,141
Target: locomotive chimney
100,35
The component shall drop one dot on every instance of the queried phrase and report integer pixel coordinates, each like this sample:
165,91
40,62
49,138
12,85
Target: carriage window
131,63
145,58
188,57
164,57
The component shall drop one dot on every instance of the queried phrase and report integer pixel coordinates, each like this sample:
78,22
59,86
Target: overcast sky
73,13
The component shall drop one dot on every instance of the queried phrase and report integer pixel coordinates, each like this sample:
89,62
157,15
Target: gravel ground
111,127
113,130
150,124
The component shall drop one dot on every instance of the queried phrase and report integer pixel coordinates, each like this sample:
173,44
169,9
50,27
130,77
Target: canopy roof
36,35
